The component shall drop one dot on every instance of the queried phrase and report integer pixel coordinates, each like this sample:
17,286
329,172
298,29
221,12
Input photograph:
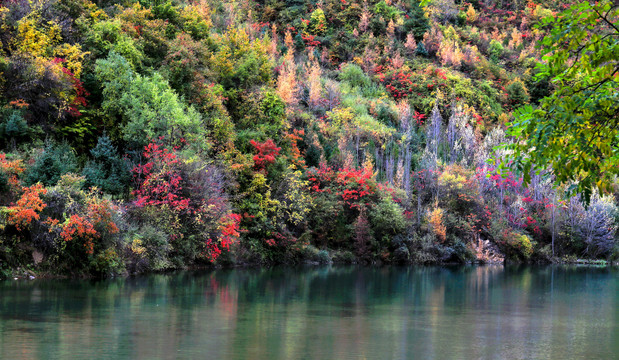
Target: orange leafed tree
436,221
28,207
78,227
287,86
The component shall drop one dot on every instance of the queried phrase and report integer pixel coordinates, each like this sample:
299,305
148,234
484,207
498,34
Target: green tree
575,130
154,110
495,50
115,75
13,127
517,93
51,164
108,36
388,12
107,170
318,23
147,105
417,22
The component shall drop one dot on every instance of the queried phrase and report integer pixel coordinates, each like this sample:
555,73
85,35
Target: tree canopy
575,130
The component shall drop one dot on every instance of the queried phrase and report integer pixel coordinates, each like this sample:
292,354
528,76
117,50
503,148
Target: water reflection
318,313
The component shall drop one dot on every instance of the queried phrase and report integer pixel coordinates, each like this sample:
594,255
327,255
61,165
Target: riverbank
21,273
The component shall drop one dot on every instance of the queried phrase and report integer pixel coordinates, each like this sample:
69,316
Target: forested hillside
152,135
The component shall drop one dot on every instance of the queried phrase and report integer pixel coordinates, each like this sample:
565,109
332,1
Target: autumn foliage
159,179
149,135
28,207
229,234
267,153
79,228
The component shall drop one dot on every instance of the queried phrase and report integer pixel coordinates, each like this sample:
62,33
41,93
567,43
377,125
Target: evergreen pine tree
417,23
107,170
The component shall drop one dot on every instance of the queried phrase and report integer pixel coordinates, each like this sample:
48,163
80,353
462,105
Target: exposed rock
37,257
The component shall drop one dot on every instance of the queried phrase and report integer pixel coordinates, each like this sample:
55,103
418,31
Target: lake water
490,312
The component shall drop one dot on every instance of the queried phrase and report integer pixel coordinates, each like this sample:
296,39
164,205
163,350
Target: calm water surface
319,313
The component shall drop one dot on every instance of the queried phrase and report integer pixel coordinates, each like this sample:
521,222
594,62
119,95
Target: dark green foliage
377,26
107,170
363,238
517,93
114,76
13,128
185,250
539,87
386,115
258,115
248,73
148,107
576,128
386,219
166,11
183,65
461,18
417,23
157,247
421,49
401,255
272,106
51,164
4,181
312,156
107,36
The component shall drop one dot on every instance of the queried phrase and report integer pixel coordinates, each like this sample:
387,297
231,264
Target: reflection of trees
337,312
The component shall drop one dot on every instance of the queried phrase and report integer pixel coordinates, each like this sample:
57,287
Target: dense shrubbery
146,136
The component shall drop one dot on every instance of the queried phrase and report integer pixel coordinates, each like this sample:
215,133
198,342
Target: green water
318,313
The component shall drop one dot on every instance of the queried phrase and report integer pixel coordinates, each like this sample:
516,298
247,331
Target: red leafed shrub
398,84
229,227
212,251
280,240
478,119
229,234
403,83
267,152
319,178
354,186
186,200
419,117
159,180
310,40
28,207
